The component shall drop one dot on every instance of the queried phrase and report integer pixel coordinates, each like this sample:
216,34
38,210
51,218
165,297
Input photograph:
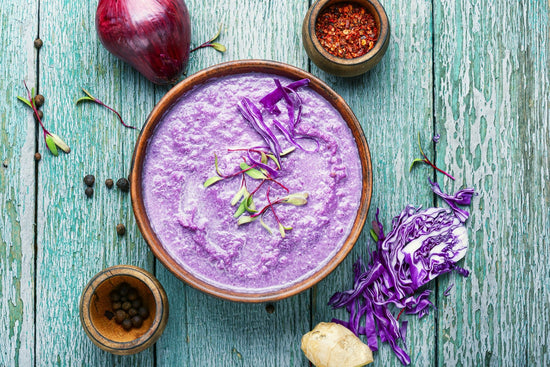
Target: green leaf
60,143
287,151
373,235
249,204
216,164
212,181
216,35
51,145
420,146
218,47
82,99
417,160
252,172
297,199
265,225
275,160
242,192
25,101
246,219
241,209
264,158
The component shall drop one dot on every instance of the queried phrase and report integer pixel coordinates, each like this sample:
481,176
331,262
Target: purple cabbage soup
252,182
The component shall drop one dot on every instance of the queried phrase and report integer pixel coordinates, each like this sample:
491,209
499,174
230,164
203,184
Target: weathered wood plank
76,235
393,102
17,181
492,108
205,331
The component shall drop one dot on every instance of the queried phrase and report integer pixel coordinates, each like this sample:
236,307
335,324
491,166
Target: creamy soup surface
196,225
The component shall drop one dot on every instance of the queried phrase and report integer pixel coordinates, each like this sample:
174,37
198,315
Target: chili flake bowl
337,65
152,150
101,327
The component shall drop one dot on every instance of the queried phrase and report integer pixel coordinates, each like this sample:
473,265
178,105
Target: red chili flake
346,30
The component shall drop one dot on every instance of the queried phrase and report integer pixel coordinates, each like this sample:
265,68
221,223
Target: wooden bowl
337,65
232,68
100,326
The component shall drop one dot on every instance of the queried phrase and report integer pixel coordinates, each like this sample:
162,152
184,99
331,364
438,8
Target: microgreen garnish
425,160
263,163
91,98
53,141
210,43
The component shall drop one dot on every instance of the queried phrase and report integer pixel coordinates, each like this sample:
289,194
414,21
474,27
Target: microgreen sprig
245,198
91,98
210,43
52,140
425,160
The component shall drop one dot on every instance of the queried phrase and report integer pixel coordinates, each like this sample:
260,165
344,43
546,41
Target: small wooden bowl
147,133
337,65
105,332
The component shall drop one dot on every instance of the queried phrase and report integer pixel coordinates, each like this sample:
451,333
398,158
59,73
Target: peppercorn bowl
124,309
331,60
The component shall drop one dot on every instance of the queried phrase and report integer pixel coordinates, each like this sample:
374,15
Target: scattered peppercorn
123,184
120,229
89,180
40,114
39,100
5,163
270,308
38,43
109,183
126,307
346,30
37,156
89,192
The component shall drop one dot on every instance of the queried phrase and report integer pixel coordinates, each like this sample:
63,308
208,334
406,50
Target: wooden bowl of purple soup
251,180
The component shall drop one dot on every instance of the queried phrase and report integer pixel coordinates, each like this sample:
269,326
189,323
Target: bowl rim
379,46
234,68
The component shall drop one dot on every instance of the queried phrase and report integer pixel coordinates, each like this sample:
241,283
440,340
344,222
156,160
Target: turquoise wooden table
474,71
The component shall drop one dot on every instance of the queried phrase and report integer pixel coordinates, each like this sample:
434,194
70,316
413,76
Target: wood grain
17,183
492,108
76,235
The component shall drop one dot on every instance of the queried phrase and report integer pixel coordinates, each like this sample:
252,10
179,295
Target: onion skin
153,36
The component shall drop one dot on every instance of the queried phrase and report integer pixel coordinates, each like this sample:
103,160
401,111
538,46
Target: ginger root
333,345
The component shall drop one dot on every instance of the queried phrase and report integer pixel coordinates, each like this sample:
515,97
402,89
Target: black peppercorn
136,304
117,305
120,229
132,295
126,306
89,180
38,100
123,184
137,321
132,312
38,43
109,183
114,296
143,312
124,288
37,156
120,315
270,308
40,114
127,324
89,192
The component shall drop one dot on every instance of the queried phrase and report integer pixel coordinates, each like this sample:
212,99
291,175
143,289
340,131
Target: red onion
151,35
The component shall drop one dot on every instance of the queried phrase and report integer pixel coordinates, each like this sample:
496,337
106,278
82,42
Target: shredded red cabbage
421,245
270,101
